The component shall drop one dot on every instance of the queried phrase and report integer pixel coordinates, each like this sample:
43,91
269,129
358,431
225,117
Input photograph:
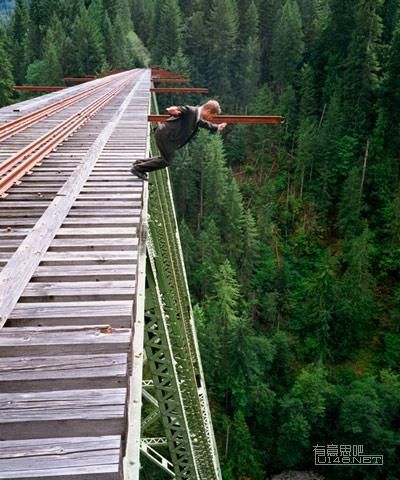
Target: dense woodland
291,234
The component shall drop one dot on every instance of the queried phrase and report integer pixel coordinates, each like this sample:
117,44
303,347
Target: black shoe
141,175
139,160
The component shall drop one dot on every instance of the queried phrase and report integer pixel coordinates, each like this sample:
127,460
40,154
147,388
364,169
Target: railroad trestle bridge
98,349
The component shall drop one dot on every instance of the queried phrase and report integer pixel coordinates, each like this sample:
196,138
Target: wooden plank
132,454
31,341
129,220
128,188
33,374
9,245
13,278
107,196
96,231
81,458
64,413
80,258
82,244
18,222
80,291
74,273
22,448
108,204
104,212
117,313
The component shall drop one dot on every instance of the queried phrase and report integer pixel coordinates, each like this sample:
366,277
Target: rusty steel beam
271,119
36,88
179,90
77,79
167,73
161,77
170,80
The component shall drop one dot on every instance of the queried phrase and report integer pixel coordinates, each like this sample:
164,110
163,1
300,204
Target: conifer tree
308,100
18,37
222,35
306,137
260,139
87,36
363,418
142,18
355,308
123,10
248,53
391,97
349,214
302,412
320,310
52,67
390,17
196,43
210,257
63,44
39,21
268,14
119,48
250,256
361,75
334,45
167,30
314,14
138,53
6,77
106,29
326,159
244,460
288,44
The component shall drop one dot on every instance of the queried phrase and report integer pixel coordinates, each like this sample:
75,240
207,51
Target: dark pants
155,163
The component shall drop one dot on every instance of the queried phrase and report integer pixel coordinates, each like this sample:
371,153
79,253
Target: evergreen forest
291,234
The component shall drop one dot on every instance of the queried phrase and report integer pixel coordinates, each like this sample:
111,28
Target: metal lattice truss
171,346
176,419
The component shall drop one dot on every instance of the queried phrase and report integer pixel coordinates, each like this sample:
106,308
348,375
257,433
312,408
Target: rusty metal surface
268,119
178,90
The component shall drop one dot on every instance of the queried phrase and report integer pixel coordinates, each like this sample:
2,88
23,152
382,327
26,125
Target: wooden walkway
69,240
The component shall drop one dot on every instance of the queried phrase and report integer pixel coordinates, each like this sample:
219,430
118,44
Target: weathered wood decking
69,256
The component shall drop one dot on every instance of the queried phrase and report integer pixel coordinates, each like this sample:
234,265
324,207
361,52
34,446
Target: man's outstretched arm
213,127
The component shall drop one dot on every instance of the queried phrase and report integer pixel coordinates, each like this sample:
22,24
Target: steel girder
167,298
172,354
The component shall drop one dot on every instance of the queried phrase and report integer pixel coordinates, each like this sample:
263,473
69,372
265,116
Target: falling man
175,132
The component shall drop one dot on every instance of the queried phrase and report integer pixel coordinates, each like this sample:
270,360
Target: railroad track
69,243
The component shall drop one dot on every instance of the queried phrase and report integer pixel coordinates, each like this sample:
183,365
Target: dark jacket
177,131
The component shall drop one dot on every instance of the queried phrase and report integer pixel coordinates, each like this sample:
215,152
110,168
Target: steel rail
13,127
37,150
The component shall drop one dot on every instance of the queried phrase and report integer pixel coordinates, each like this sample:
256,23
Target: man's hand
221,126
174,111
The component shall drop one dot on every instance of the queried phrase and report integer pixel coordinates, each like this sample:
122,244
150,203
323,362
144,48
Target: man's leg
143,166
151,164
